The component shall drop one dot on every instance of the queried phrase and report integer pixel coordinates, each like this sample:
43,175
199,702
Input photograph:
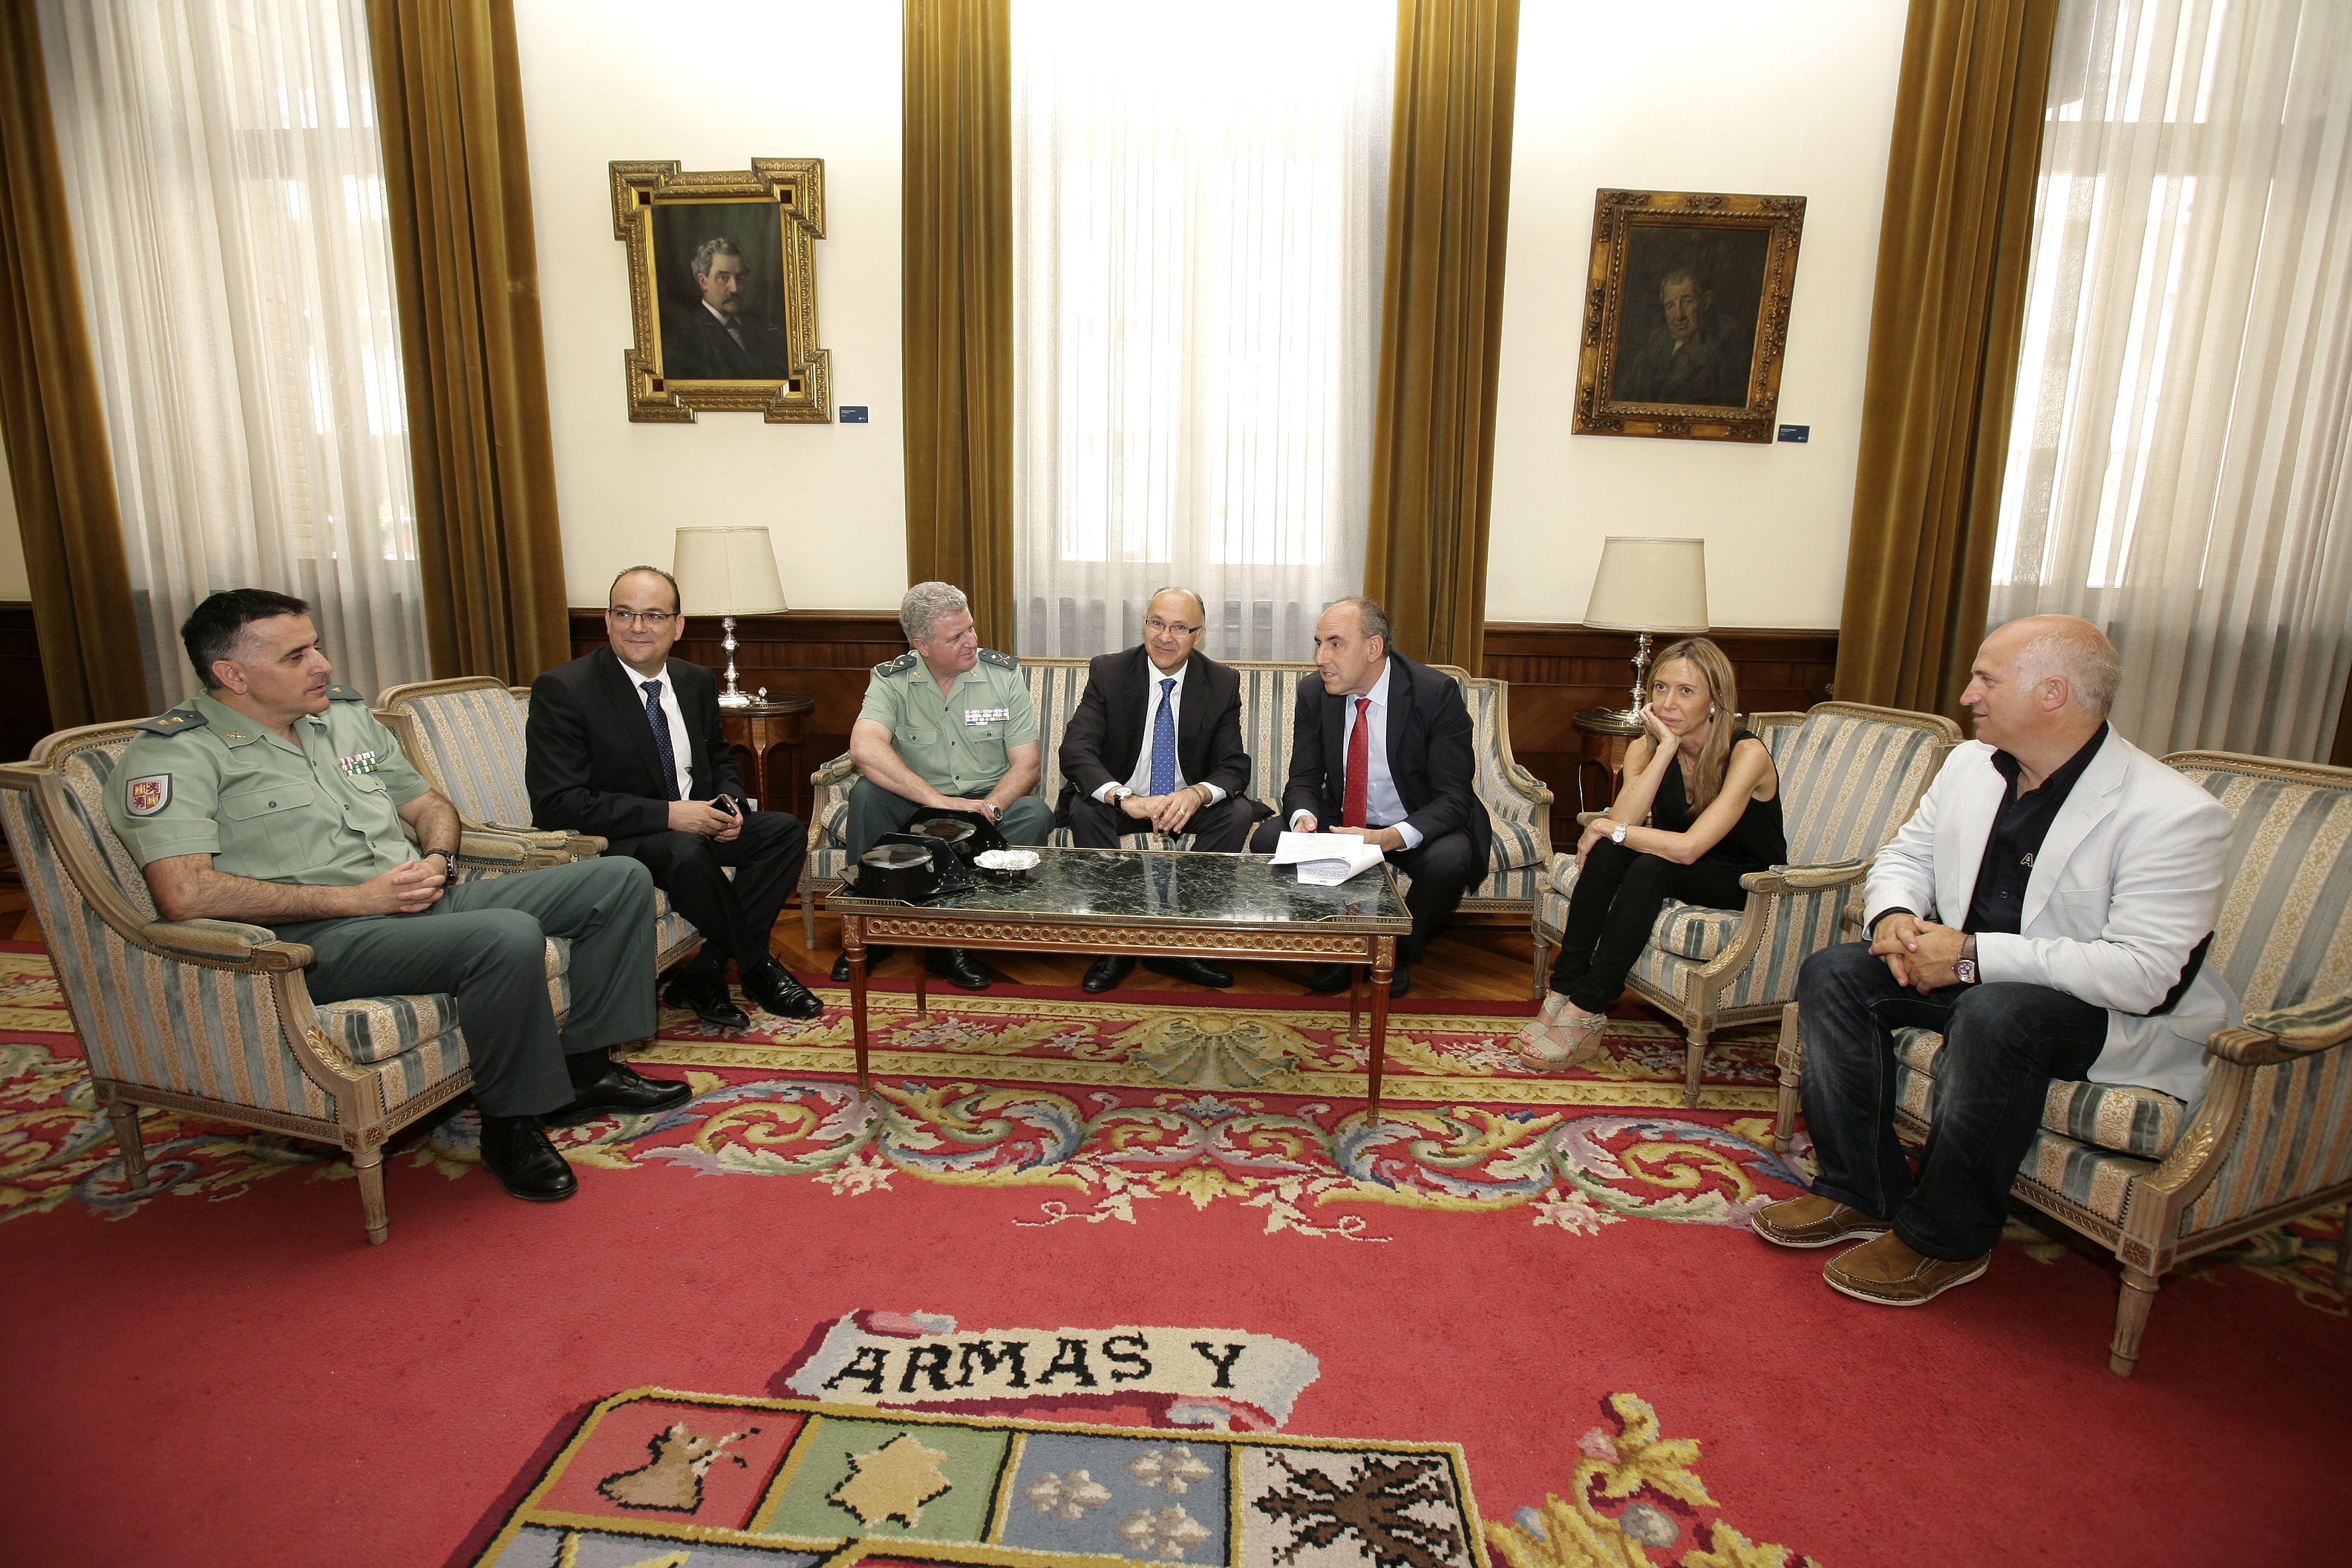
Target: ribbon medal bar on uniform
359,762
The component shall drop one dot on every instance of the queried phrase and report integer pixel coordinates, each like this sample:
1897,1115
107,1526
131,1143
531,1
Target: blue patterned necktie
1163,741
660,721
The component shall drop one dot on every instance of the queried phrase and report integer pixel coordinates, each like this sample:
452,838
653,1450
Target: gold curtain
1945,326
1442,322
466,269
58,463
957,245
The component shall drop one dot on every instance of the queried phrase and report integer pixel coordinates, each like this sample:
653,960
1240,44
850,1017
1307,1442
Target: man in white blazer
2073,879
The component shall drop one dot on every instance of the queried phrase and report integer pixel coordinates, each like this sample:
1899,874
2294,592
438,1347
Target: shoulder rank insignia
173,723
1002,661
899,666
344,694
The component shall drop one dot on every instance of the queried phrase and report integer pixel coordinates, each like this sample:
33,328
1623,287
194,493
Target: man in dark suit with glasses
626,742
1155,743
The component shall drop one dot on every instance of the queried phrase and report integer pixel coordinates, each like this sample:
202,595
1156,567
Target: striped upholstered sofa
465,736
1518,802
213,1016
1850,774
2156,1179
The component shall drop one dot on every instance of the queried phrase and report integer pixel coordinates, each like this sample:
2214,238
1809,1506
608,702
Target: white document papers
1326,859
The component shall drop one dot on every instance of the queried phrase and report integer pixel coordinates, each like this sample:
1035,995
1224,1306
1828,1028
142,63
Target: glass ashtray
1006,862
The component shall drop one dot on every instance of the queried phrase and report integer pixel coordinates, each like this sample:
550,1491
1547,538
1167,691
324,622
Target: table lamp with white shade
727,572
1648,585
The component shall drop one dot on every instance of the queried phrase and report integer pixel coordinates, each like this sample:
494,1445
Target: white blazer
2123,889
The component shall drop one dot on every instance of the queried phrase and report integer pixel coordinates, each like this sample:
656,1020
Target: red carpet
1551,1274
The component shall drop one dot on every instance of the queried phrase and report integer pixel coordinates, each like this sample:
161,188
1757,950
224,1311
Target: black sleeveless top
1755,842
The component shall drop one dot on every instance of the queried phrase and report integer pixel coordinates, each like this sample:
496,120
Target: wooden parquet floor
1470,963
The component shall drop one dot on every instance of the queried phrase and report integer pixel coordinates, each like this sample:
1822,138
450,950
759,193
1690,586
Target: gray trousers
875,811
485,945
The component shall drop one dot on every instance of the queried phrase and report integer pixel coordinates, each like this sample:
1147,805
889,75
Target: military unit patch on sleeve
146,795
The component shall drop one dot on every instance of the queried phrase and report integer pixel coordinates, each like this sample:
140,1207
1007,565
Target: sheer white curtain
2177,470
226,193
1199,213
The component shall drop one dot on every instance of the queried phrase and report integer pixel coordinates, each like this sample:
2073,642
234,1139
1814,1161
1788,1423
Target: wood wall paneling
24,696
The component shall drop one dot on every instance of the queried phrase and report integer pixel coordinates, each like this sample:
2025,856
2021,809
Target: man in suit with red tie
626,742
1156,743
1381,748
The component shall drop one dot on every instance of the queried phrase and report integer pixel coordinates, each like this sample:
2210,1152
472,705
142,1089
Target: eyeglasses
1156,625
652,620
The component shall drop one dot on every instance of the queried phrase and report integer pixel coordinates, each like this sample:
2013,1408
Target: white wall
1794,97
607,80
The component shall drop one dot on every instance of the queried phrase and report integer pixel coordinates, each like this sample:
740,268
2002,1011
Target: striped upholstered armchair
2155,1179
465,736
1516,801
213,1016
1850,775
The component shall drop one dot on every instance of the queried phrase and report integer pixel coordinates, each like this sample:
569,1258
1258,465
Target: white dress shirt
679,750
1383,807
1139,781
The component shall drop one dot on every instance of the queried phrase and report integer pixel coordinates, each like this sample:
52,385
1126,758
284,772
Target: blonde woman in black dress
1699,808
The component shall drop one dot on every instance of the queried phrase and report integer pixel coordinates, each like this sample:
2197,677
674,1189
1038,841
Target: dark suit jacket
591,766
1107,731
697,348
1429,753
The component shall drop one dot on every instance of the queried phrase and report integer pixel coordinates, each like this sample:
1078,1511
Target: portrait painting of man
717,266
1687,333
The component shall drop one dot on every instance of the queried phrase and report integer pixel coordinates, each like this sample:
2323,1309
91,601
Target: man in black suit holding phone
1381,748
626,742
1155,742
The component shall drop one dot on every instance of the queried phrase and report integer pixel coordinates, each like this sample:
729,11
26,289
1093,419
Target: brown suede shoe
1809,1221
1888,1272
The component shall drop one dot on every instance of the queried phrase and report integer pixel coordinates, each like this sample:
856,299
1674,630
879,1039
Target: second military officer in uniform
278,799
945,727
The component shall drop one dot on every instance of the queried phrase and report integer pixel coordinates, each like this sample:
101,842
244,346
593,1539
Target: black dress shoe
1190,969
1329,977
516,1151
623,1089
959,968
772,986
1105,972
705,993
1400,980
874,956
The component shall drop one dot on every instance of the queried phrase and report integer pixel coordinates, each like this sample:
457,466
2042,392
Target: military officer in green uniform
947,726
278,799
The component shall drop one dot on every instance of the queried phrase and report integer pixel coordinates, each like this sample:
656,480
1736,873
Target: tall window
1198,217
2180,457
226,191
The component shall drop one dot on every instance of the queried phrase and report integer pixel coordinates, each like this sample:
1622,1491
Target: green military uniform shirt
958,742
204,779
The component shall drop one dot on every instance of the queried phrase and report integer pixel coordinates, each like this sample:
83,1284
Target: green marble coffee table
1152,903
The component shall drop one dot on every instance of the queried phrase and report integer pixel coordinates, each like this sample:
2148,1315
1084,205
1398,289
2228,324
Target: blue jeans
2003,1043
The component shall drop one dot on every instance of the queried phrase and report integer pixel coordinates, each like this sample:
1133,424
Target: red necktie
1360,765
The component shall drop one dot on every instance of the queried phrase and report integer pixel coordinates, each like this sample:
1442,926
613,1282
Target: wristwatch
1964,968
448,865
1617,833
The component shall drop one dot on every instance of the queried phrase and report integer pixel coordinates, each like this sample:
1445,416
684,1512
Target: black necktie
660,721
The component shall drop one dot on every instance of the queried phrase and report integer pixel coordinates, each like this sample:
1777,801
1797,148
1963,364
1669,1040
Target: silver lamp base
732,696
1631,714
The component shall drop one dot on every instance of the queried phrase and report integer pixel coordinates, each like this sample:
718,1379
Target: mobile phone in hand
726,804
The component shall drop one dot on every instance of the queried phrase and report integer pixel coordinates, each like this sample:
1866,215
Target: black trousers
1219,829
736,917
1617,899
1441,870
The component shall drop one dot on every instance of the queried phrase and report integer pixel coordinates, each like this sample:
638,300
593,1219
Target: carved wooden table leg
1383,961
1355,1000
853,947
922,984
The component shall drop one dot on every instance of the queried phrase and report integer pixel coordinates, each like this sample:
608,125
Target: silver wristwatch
1964,968
1617,834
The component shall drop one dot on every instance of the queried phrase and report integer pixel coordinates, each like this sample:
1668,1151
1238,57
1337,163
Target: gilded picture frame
1686,315
723,289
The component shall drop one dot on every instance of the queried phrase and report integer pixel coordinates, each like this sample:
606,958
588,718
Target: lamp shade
1648,585
726,571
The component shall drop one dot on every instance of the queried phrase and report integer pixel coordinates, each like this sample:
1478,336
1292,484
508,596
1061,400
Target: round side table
762,729
1606,736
